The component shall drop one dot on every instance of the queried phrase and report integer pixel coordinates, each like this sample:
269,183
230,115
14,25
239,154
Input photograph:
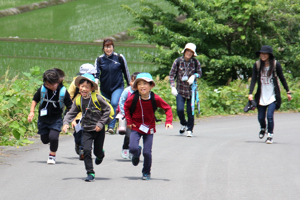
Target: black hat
251,105
266,49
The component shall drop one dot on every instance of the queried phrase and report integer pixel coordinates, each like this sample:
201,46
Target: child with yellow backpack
74,93
96,112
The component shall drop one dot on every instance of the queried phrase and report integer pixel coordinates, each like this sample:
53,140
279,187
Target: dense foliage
227,34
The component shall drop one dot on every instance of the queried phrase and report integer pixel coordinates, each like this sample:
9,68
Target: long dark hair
271,61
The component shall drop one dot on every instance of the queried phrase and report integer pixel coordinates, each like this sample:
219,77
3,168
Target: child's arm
167,108
31,114
123,98
70,116
127,105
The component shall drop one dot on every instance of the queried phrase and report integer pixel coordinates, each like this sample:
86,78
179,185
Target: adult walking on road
185,70
266,72
111,67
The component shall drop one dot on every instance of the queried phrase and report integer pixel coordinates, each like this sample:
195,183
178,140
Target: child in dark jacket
141,120
92,122
52,102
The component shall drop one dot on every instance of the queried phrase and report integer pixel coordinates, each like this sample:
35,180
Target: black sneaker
90,178
262,133
136,159
98,161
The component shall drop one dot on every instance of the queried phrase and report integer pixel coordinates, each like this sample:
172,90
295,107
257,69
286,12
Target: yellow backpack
97,105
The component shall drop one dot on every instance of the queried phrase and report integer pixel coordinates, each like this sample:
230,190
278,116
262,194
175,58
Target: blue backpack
61,98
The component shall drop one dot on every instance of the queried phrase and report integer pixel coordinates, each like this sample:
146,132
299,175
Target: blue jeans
147,150
114,98
262,110
180,101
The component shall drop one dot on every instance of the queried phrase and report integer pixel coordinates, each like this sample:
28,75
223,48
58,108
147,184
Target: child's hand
65,127
169,126
130,126
97,129
74,123
30,116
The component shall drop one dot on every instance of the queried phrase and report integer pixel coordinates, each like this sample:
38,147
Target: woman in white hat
185,70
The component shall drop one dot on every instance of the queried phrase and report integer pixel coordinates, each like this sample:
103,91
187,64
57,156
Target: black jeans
51,137
87,142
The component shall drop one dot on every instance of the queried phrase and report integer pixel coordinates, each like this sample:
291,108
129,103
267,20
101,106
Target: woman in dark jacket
266,72
110,70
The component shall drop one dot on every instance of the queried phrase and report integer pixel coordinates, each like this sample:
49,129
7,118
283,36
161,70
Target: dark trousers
147,148
87,141
269,109
126,139
52,138
78,136
180,101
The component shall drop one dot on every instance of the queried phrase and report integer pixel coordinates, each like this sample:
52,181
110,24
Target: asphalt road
224,160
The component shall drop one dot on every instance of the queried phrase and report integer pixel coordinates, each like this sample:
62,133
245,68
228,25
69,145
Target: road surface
224,160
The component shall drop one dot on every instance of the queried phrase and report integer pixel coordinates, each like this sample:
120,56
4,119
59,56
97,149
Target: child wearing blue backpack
53,97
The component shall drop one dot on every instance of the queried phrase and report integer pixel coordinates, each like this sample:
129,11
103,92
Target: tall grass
81,20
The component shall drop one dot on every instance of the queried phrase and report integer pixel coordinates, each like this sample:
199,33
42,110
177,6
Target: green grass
4,4
21,56
81,20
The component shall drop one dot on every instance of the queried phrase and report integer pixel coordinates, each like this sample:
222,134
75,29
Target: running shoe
51,160
182,130
262,133
269,139
125,154
90,178
146,177
189,134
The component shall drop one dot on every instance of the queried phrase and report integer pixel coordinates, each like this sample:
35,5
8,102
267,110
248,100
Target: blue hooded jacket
109,72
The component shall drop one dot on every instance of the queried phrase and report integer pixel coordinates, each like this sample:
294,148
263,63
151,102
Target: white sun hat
190,46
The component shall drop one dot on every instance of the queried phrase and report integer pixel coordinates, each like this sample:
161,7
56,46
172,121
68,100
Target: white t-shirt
267,94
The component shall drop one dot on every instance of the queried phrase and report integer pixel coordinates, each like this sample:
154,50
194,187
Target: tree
227,34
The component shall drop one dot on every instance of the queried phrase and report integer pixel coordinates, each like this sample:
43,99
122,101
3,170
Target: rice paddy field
5,4
62,36
21,56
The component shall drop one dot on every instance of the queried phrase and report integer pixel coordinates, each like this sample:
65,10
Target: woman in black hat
266,72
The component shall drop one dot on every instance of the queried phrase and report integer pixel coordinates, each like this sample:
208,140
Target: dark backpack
135,100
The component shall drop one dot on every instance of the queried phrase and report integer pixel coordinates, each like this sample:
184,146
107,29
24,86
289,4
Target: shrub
15,101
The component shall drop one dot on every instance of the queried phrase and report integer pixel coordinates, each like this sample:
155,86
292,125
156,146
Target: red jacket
149,119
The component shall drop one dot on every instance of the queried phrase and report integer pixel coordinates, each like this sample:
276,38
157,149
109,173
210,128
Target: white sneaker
51,160
182,130
269,139
189,134
125,154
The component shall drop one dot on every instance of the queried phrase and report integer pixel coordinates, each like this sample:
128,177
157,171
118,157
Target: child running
92,122
52,96
124,96
74,93
139,113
